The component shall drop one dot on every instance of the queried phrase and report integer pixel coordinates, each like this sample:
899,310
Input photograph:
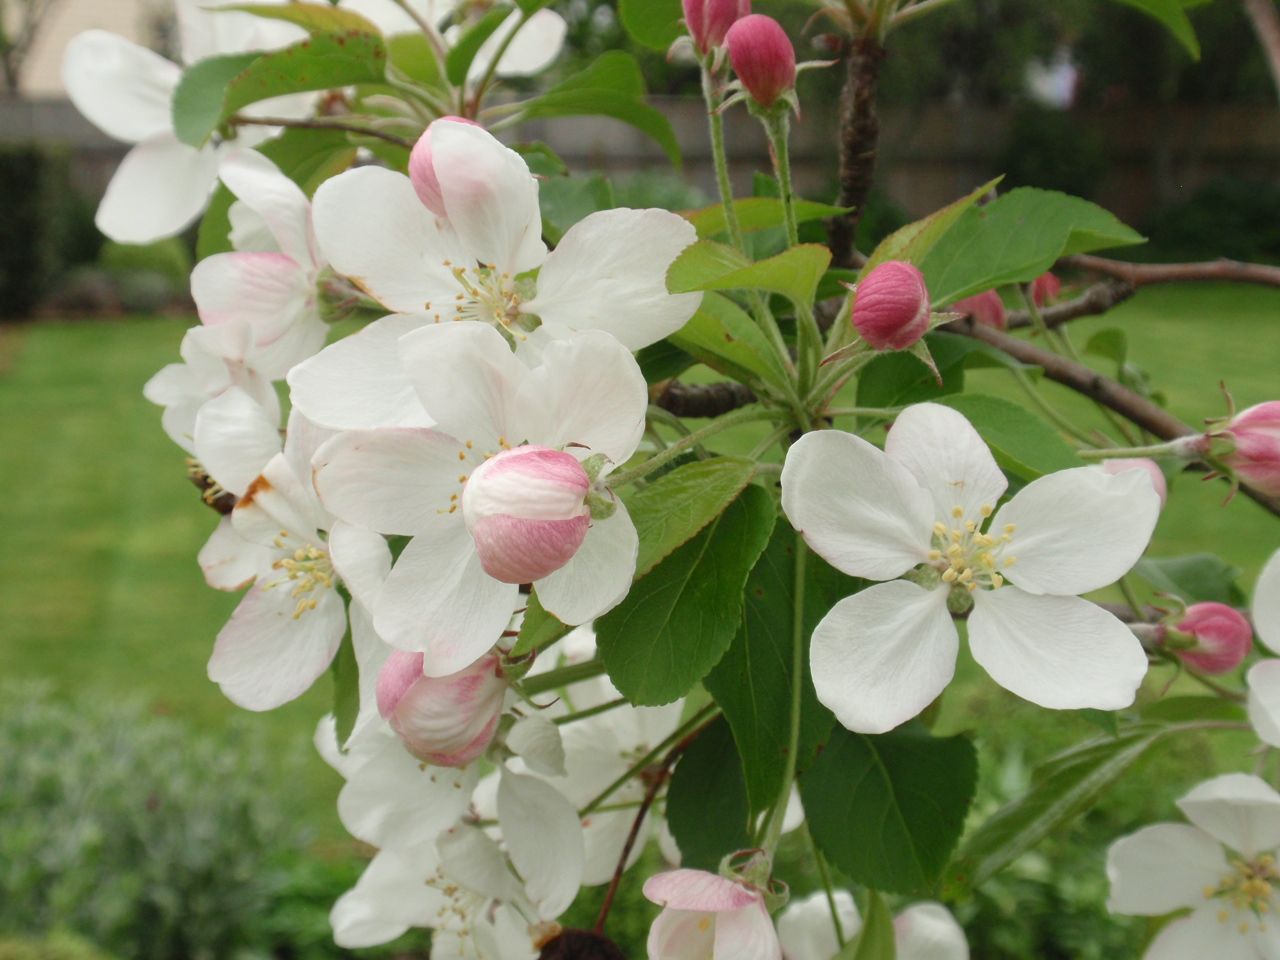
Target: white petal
473,859
234,439
265,657
533,50
1063,653
1237,809
947,457
275,198
1202,936
883,655
267,290
362,559
609,273
467,379
358,382
805,928
439,600
228,560
1266,604
371,653
390,897
536,740
858,509
681,935
605,834
249,232
159,188
490,197
928,931
123,89
1264,700
373,229
1163,868
394,481
746,934
544,840
279,507
303,438
598,576
1078,530
208,33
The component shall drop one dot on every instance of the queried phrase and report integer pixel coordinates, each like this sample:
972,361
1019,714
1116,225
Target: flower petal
883,655
362,559
609,273
1078,530
1266,604
159,188
947,457
544,840
1263,680
1237,809
1163,868
746,934
928,931
681,935
1063,653
234,439
266,290
280,202
279,505
228,560
371,653
122,88
389,898
1202,935
805,928
698,890
472,858
857,508
598,576
534,48
536,741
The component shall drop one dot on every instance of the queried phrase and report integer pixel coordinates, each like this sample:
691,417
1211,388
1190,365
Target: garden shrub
56,946
35,186
1226,217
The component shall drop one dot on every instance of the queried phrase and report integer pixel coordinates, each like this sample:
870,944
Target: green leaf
346,689
707,802
914,241
1015,239
606,103
615,70
1196,578
794,273
726,339
652,23
532,6
312,17
752,683
541,159
888,810
1172,14
898,379
414,56
702,263
677,506
538,629
1111,343
876,940
212,90
1104,720
461,55
679,620
662,361
566,200
756,213
1021,442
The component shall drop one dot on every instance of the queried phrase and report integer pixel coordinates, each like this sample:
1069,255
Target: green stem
590,711
428,28
824,874
884,413
1130,597
919,9
777,436
778,126
492,69
733,419
561,677
1062,423
1183,448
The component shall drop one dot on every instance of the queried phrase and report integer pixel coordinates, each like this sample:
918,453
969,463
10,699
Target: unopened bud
1223,637
891,306
986,308
1045,289
709,20
446,721
762,57
422,171
1255,435
527,511
1149,467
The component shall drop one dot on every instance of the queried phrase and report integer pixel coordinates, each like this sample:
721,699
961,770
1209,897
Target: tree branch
703,399
1266,26
1098,299
1145,274
859,137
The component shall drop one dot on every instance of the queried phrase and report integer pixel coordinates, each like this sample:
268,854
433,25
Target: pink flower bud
891,307
1256,458
709,20
1045,289
986,308
705,914
1152,470
762,57
1224,637
422,171
526,510
447,721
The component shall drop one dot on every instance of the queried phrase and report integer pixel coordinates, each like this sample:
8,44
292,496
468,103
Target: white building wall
129,18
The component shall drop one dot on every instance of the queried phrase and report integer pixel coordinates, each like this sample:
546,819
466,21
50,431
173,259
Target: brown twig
1097,299
319,123
703,399
859,139
1146,274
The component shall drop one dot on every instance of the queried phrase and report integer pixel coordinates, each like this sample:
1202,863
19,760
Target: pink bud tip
1045,289
709,20
422,171
526,510
986,308
400,672
1149,467
762,57
891,307
1223,634
1256,458
447,721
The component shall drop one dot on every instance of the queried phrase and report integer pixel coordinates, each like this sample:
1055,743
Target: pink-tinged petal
390,897
534,48
279,509
372,228
544,840
860,510
1163,868
394,481
928,931
881,656
1152,469
490,196
698,890
358,383
362,559
228,560
123,89
1263,680
438,600
1078,530
467,379
266,290
1237,809
445,721
609,273
746,934
159,188
280,202
1202,936
587,392
1266,604
235,439
948,458
681,935
598,577
265,656
1063,653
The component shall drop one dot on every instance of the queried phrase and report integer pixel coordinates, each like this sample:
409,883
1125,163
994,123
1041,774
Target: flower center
308,569
1247,892
484,294
967,557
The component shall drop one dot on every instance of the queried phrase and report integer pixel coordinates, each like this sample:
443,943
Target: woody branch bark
1145,274
859,143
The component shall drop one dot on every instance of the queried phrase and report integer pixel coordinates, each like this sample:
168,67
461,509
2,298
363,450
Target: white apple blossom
586,397
1222,867
706,915
608,272
923,931
882,655
1263,678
